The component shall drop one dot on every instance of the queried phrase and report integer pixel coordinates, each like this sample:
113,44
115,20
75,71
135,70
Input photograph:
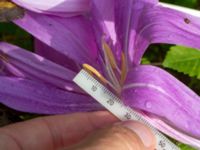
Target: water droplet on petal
148,105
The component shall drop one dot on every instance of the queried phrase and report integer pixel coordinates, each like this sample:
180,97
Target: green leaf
185,60
185,147
145,61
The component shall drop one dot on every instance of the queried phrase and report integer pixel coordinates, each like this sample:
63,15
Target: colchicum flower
107,38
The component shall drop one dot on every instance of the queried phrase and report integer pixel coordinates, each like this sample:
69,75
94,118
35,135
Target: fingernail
142,131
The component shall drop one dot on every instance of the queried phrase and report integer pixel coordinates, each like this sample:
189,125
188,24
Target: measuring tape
112,103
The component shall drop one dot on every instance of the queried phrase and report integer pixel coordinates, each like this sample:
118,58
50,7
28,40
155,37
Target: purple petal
65,8
155,91
48,52
103,20
22,63
127,18
163,25
30,96
72,37
3,70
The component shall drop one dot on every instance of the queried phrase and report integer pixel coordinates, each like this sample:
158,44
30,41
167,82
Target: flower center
115,72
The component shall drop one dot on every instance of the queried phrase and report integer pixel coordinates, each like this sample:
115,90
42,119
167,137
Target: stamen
111,65
123,68
112,75
116,76
109,54
92,71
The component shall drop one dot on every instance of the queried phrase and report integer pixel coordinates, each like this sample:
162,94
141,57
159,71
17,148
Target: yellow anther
93,71
7,5
123,68
109,54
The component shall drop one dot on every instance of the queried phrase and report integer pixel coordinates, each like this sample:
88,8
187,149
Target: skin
73,132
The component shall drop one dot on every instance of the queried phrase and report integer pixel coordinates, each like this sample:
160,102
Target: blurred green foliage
185,147
11,33
186,3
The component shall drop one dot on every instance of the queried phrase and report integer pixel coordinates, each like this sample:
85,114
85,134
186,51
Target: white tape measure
117,108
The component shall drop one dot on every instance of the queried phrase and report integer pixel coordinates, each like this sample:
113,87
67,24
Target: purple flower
111,37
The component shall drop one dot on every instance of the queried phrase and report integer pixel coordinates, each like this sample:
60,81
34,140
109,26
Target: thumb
121,136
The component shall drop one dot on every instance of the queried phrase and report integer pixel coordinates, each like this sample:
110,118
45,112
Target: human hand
80,131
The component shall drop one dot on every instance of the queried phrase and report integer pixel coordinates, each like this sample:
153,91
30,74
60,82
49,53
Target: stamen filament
110,71
113,76
110,64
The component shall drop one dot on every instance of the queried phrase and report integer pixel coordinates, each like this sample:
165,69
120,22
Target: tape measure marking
117,108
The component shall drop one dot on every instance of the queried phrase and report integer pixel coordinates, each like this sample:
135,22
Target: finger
52,132
123,136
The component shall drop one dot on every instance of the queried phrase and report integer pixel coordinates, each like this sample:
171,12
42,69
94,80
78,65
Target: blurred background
160,55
